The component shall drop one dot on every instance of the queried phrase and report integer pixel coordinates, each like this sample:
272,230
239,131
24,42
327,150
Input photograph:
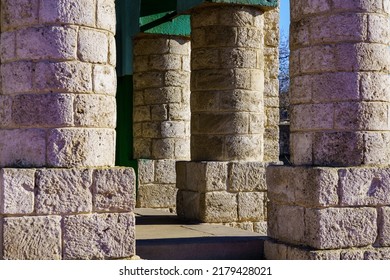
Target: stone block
377,254
71,147
72,76
162,95
147,46
172,129
312,117
63,191
351,255
239,101
364,186
16,13
220,79
377,31
249,37
5,111
221,123
150,129
45,110
80,12
165,172
92,46
275,251
163,148
205,59
375,86
114,189
246,176
22,72
362,6
142,148
105,15
179,45
251,206
332,228
7,46
384,226
188,205
48,42
179,112
317,59
145,80
32,238
243,147
142,113
301,148
112,50
104,79
206,176
145,171
218,207
23,148
17,191
156,196
260,227
305,186
95,111
376,148
99,236
163,62
177,79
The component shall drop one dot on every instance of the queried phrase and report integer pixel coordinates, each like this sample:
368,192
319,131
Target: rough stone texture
157,196
32,238
114,190
17,191
384,226
246,176
217,207
99,236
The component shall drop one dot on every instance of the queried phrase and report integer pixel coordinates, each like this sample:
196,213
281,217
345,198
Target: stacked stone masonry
80,213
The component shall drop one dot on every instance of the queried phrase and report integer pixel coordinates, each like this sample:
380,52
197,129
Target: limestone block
364,6
111,50
221,123
238,101
163,148
271,87
243,79
260,227
163,62
249,37
156,195
95,111
48,42
238,58
92,46
5,110
179,111
361,116
16,13
80,12
301,148
364,186
340,227
377,254
105,16
45,110
312,117
17,77
297,253
146,171
376,148
220,79
142,113
206,176
306,186
23,148
171,129
313,7
63,191
246,176
114,189
300,34
152,45
179,45
275,251
188,205
301,89
204,58
244,147
351,255
207,147
349,151
251,206
209,100
177,79
81,147
137,129
256,124
386,5
99,236
32,238
104,79
272,116
17,191
72,76
150,129
162,95
7,46
142,148
316,59
384,226
218,207
165,172
375,86
144,80
377,31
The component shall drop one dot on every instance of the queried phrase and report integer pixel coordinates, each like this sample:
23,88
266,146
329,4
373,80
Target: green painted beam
166,24
183,5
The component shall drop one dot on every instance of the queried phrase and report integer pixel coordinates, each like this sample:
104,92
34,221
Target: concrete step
162,236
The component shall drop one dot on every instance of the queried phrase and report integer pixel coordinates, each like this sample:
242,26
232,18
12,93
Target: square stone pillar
61,196
333,202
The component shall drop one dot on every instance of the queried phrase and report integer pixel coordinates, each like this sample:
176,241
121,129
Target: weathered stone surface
206,176
364,186
246,176
218,207
81,147
16,13
377,254
106,15
5,111
7,46
260,227
17,191
48,42
165,172
188,205
340,227
22,72
156,195
63,191
384,226
23,148
99,236
145,171
92,46
80,12
251,206
301,148
32,238
104,79
114,189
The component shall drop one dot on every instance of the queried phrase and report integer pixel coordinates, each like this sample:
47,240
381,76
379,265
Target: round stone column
57,101
340,83
227,83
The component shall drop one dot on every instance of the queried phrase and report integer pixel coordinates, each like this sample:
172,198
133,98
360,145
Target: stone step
162,236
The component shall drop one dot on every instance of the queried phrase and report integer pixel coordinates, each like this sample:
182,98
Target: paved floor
161,235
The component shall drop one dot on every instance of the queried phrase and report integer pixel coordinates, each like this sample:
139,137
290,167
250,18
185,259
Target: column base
328,209
78,213
223,192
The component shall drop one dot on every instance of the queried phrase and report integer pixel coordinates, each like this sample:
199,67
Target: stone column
225,182
161,115
58,117
340,94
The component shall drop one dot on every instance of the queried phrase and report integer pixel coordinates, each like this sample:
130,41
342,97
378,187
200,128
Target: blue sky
284,16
